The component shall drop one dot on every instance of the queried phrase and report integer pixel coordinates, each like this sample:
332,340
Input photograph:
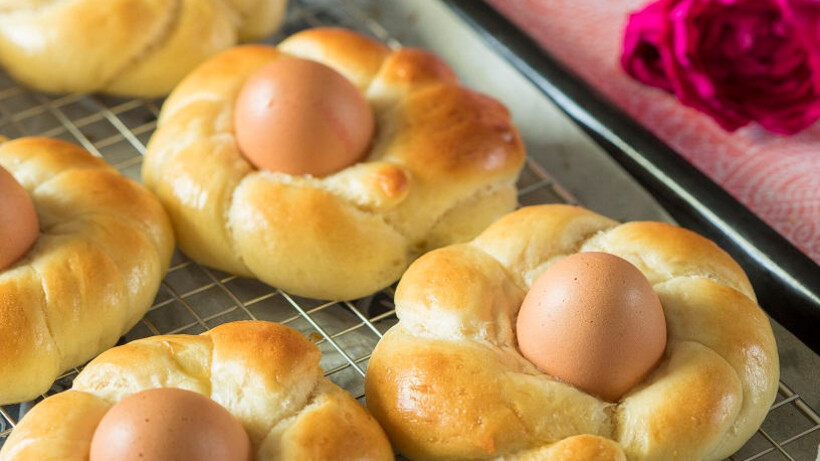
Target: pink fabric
776,177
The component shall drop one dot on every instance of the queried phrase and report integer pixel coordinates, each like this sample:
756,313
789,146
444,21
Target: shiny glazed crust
123,47
447,382
441,168
266,374
105,244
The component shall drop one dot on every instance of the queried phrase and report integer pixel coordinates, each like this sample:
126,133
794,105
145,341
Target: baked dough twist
266,374
447,382
123,47
441,168
104,245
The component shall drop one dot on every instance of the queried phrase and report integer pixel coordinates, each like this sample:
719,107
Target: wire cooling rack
194,298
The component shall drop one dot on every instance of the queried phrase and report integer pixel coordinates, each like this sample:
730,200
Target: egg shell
169,424
593,320
19,225
298,116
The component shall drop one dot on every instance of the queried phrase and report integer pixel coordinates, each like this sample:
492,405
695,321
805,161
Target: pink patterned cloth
776,177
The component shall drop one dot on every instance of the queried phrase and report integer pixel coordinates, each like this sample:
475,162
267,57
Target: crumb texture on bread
441,168
139,48
265,374
105,243
448,382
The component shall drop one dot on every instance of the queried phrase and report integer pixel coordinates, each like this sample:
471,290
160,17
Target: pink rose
737,60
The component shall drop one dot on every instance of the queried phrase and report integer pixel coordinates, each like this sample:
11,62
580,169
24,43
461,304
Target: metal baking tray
194,298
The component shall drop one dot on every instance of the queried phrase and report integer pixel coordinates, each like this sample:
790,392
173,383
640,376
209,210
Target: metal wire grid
194,298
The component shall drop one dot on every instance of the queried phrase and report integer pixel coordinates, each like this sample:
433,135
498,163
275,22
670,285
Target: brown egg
301,117
594,321
169,425
19,226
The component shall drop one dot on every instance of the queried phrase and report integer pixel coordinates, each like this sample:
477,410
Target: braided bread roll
266,374
442,167
104,245
448,381
123,47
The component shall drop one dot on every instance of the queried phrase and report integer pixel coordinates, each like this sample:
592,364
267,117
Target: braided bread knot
441,167
265,374
139,48
105,243
448,381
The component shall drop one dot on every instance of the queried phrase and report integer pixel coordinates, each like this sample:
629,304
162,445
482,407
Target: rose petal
735,60
641,58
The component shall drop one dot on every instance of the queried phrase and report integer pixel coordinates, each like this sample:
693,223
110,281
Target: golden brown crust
583,447
405,69
551,235
683,409
468,400
448,382
663,251
272,223
59,427
441,168
355,56
486,309
124,47
286,355
689,302
266,374
30,351
412,67
105,243
335,428
446,131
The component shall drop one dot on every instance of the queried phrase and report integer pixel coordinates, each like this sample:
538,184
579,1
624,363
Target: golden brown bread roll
442,167
448,381
267,375
123,47
104,245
